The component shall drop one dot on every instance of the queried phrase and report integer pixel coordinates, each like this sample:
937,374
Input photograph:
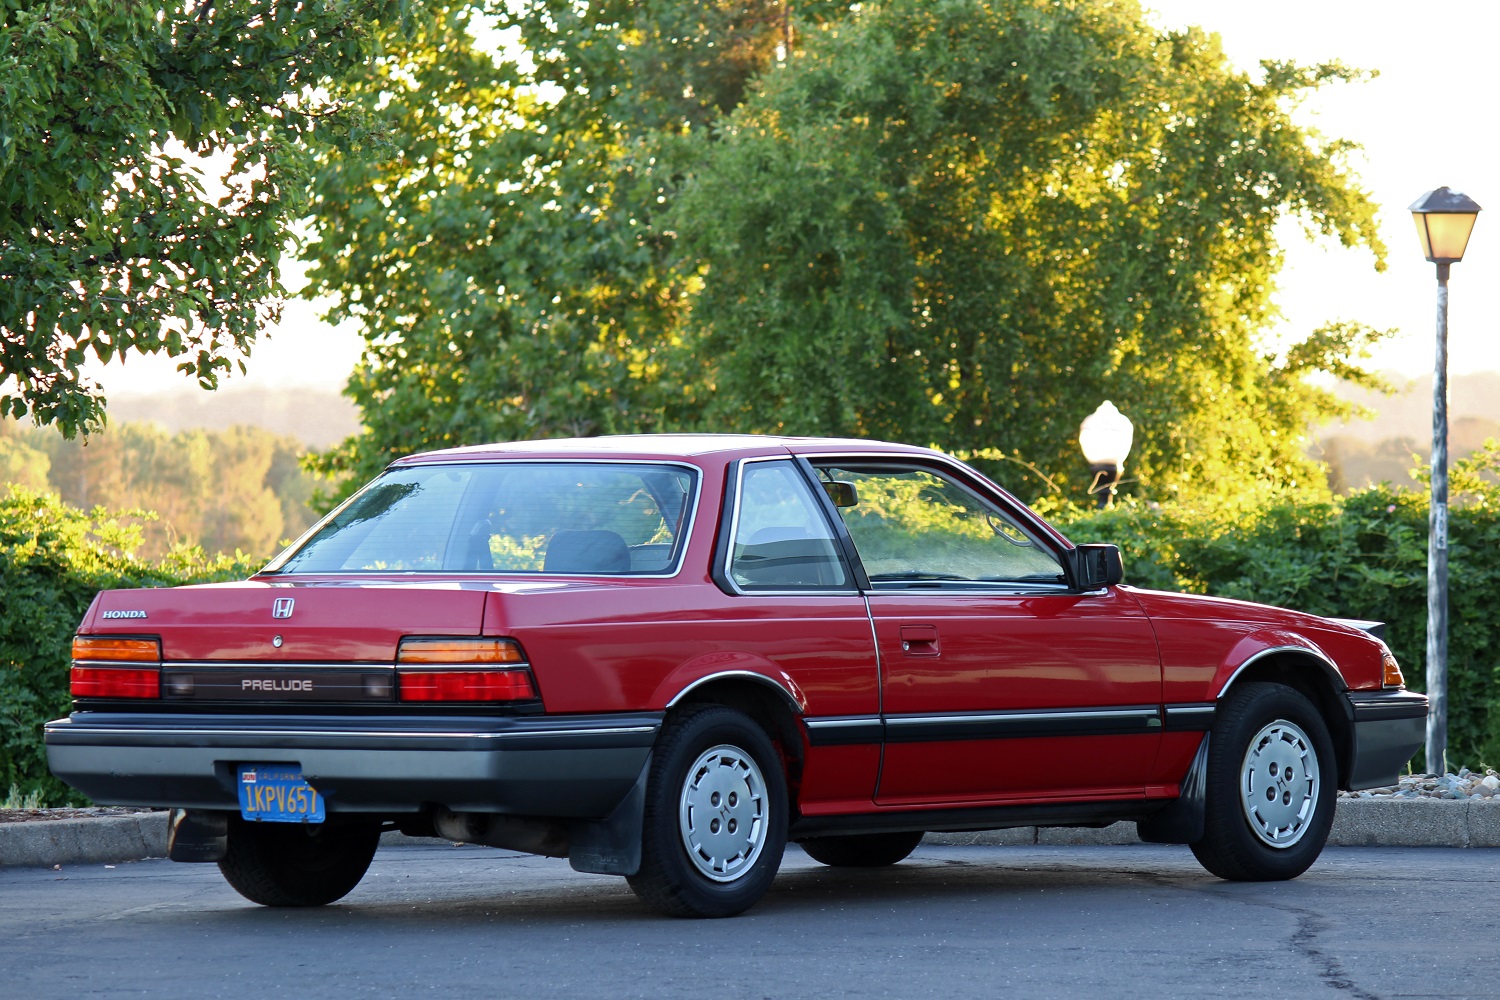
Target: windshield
572,518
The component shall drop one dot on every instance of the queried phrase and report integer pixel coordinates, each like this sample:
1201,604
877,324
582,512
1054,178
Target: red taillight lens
115,682
95,672
466,685
458,669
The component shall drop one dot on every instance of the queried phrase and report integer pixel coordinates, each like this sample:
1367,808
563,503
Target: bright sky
1427,121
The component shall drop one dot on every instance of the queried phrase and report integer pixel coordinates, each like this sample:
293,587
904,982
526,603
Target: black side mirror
841,493
1097,566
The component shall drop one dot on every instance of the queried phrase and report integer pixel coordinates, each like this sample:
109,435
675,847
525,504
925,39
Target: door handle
919,640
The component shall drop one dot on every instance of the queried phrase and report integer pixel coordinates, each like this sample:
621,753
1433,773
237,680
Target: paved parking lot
1034,921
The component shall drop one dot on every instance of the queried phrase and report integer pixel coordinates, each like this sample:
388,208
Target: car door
998,681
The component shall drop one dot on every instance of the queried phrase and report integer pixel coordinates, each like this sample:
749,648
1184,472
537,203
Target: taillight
107,667
463,670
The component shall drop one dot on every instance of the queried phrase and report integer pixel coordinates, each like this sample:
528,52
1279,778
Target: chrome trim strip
1314,652
128,664
1188,711
791,699
842,722
351,733
1049,715
278,665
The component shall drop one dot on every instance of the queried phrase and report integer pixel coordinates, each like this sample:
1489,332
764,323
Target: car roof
660,446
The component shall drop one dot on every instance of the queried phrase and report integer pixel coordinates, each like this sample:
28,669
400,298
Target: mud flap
612,846
1181,821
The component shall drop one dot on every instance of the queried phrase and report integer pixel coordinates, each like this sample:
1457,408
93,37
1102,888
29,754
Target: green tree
510,266
969,223
110,240
951,222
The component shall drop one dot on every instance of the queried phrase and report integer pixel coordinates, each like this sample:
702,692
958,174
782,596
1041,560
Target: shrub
1361,556
53,560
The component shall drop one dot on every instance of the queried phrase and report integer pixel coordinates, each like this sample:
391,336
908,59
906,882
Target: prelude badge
281,609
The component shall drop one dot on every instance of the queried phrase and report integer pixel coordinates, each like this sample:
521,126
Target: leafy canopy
951,222
110,240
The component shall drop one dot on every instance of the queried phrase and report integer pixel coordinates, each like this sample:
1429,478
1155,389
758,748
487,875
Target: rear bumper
1388,727
563,766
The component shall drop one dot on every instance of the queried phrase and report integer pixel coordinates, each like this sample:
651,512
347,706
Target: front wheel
862,850
1271,784
297,864
716,817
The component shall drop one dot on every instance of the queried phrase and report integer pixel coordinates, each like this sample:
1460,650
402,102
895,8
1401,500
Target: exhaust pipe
512,833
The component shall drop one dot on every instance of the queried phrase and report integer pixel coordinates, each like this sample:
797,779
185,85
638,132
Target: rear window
554,518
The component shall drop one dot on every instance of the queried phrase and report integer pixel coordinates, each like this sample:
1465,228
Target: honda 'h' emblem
282,608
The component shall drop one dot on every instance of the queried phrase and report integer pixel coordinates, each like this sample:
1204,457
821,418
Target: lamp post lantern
1105,437
1444,221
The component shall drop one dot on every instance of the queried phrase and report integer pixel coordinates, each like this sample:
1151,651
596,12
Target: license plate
277,793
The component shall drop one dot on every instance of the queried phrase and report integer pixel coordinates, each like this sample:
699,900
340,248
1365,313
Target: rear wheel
297,864
716,817
863,850
1271,784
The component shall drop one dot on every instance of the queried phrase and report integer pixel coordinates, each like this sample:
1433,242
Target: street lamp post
1444,220
1105,437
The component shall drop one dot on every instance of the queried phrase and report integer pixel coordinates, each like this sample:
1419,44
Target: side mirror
842,494
1097,566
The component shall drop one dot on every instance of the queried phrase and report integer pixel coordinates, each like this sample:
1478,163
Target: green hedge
53,560
1362,556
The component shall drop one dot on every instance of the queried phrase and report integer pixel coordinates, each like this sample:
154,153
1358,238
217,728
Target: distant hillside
1385,448
316,417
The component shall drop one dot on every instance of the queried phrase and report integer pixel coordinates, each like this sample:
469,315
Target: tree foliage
968,224
954,222
111,241
510,266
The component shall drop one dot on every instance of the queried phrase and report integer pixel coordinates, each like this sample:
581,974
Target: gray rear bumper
563,766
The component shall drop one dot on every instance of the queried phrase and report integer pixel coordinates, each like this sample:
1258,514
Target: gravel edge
1358,822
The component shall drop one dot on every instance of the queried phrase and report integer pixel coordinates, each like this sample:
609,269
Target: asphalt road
1033,922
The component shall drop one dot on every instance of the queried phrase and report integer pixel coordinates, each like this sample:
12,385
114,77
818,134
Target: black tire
716,816
862,850
1260,825
297,864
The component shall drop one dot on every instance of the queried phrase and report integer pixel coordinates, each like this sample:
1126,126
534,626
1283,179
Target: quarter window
781,540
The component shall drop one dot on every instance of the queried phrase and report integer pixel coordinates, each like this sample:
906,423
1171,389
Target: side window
914,527
781,539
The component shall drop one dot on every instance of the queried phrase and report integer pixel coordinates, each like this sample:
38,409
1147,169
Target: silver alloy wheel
722,813
1279,783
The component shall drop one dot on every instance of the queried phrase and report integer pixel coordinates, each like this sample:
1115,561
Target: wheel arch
1317,679
767,703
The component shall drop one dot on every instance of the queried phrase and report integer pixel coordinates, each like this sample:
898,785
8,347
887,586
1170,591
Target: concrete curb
1356,823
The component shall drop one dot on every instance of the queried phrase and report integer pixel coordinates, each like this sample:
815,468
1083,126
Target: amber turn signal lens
456,651
466,685
115,682
1390,671
87,647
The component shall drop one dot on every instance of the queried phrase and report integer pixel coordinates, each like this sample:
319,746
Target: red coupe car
664,657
